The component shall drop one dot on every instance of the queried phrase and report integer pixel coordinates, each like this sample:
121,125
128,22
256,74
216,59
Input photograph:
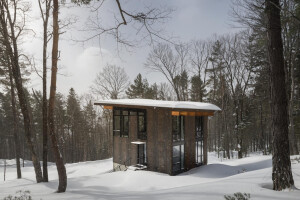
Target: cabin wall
205,137
189,143
124,152
159,140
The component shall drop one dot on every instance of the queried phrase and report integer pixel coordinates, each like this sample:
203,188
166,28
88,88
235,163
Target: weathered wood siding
205,137
159,140
189,143
124,152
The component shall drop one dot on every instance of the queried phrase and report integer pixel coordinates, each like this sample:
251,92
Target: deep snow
91,180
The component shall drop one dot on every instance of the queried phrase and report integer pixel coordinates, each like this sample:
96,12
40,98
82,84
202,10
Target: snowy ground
91,180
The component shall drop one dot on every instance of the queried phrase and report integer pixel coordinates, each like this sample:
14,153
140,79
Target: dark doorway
141,154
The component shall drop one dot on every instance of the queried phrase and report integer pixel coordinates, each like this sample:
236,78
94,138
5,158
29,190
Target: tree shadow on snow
223,170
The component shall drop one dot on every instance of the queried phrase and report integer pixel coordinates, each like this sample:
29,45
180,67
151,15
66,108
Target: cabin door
141,154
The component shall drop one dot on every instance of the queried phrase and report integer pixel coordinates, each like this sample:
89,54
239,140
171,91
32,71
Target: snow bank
91,180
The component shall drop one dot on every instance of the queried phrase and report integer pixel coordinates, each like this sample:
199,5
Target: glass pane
175,123
125,112
141,113
117,123
182,156
126,124
182,127
141,123
176,152
117,112
133,113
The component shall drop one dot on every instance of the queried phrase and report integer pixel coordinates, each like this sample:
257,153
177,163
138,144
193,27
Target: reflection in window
178,128
142,134
178,144
120,123
199,140
178,158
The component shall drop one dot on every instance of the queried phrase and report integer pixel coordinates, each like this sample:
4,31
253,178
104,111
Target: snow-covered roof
189,105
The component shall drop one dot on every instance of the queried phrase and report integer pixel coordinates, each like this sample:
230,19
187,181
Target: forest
231,71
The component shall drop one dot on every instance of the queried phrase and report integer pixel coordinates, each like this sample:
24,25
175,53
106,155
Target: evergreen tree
198,91
138,88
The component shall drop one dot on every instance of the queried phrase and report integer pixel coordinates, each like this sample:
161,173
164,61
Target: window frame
124,113
142,134
178,142
119,112
199,138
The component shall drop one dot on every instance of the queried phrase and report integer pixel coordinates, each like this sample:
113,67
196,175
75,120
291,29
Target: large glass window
178,128
199,140
121,122
178,144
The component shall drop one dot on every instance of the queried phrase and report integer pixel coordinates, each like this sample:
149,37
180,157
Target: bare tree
45,17
163,59
282,171
199,58
144,21
61,169
111,82
11,30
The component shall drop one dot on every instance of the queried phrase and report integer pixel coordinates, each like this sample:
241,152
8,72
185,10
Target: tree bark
282,173
62,175
15,126
45,17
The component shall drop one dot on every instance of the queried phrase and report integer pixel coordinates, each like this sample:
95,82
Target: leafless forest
231,71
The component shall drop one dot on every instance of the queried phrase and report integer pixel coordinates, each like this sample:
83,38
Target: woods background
231,71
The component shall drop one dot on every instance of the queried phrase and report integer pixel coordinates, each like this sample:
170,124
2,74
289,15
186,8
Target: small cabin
162,136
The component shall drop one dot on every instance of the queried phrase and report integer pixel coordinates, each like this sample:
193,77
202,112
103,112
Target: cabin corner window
178,144
199,140
120,122
178,128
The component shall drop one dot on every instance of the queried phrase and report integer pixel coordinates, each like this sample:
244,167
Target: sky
81,61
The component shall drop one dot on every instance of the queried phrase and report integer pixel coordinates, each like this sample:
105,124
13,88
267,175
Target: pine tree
138,89
198,91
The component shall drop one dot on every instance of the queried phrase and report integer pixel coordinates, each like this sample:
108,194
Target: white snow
138,142
92,180
160,104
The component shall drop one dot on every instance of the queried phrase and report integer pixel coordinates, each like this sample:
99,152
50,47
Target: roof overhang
187,108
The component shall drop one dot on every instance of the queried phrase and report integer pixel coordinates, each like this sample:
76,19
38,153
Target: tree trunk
15,123
44,109
62,175
282,173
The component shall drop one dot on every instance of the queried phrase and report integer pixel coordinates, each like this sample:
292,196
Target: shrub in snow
238,196
20,195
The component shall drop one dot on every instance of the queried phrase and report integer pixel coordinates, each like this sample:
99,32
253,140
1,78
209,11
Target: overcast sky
79,63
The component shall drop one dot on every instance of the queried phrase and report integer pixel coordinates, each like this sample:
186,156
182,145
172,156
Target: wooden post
205,137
